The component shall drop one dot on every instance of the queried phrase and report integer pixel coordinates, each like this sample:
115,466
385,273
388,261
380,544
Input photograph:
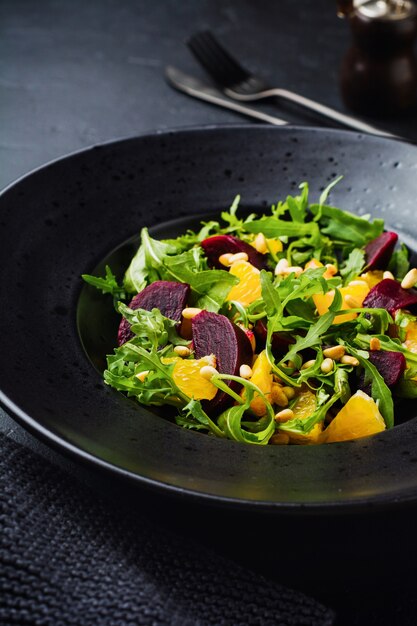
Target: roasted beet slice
280,343
379,251
389,295
222,244
169,297
216,334
391,365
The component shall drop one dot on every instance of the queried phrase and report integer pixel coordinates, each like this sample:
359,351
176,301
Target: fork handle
328,112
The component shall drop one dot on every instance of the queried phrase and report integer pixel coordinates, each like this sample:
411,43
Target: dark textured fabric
66,559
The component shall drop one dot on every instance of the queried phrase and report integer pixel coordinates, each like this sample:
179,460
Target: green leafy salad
294,327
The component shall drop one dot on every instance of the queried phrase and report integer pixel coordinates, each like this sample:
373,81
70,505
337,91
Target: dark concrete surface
76,73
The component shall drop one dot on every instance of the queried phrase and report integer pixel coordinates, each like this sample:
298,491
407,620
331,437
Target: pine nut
308,364
289,392
410,279
260,244
349,360
224,259
278,396
142,375
245,371
211,360
331,269
190,312
358,283
280,439
182,351
294,269
388,274
239,256
327,366
207,371
352,302
281,267
334,352
374,344
284,416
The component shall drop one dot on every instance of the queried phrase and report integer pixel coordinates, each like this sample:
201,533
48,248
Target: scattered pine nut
224,259
334,352
289,392
245,371
349,360
410,279
284,416
308,364
207,371
280,439
182,351
211,360
239,256
190,312
327,366
352,302
294,269
281,267
278,396
142,375
331,269
260,244
375,344
358,283
388,274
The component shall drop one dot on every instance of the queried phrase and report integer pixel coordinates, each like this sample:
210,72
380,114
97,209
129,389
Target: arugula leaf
303,426
379,390
297,205
108,284
345,226
315,332
195,409
152,329
147,261
399,263
230,421
353,265
235,225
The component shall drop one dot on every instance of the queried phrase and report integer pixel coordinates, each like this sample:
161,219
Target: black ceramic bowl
64,219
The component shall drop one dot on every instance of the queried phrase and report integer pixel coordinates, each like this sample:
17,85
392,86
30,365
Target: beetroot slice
378,252
389,295
391,365
216,334
169,297
280,343
222,244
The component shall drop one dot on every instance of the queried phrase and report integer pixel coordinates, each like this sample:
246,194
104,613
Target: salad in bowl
294,327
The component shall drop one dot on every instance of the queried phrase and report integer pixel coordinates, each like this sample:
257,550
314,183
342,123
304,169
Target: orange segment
274,245
324,300
262,378
372,278
248,288
411,336
186,375
314,264
303,407
264,245
359,417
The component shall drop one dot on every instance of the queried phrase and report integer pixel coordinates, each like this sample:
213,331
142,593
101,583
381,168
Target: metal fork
240,84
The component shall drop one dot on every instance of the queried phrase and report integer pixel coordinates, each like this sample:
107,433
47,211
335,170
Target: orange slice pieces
359,417
248,288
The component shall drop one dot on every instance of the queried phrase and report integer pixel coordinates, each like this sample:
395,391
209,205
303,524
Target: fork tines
221,66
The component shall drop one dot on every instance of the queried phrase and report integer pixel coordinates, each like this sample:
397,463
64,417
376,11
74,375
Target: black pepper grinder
379,72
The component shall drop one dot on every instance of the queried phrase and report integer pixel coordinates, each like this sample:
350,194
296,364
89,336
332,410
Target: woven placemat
68,559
